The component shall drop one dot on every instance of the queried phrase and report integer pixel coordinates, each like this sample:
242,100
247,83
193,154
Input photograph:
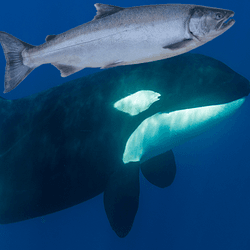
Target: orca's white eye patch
137,102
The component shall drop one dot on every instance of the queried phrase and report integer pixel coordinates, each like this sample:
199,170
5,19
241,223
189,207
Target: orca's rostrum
70,143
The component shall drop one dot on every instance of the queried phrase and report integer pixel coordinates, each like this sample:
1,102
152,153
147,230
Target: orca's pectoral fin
160,170
121,198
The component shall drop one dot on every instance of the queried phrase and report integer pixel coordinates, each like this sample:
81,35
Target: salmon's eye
219,16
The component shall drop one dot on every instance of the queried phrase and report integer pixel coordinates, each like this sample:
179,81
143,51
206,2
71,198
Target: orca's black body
65,145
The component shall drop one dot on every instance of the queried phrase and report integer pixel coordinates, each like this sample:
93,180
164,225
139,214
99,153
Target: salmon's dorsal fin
49,37
104,10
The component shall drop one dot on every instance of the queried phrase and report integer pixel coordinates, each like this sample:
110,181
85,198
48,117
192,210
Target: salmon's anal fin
66,70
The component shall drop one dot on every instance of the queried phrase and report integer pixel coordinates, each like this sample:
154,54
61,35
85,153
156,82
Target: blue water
207,206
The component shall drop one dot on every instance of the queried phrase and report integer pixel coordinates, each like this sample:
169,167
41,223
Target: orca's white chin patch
163,131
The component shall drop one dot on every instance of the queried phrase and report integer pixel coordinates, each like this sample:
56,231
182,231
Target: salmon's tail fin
15,70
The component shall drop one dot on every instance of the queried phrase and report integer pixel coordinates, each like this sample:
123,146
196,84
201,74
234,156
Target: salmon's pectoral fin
178,45
66,70
121,198
112,65
160,170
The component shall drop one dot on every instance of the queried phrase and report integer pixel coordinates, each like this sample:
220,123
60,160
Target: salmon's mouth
226,22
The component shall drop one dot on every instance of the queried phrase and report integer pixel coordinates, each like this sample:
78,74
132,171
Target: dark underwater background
207,206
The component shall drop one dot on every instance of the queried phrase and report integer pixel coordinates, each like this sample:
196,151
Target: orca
75,141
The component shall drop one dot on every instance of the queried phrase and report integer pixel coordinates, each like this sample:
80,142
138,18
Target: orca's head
180,110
